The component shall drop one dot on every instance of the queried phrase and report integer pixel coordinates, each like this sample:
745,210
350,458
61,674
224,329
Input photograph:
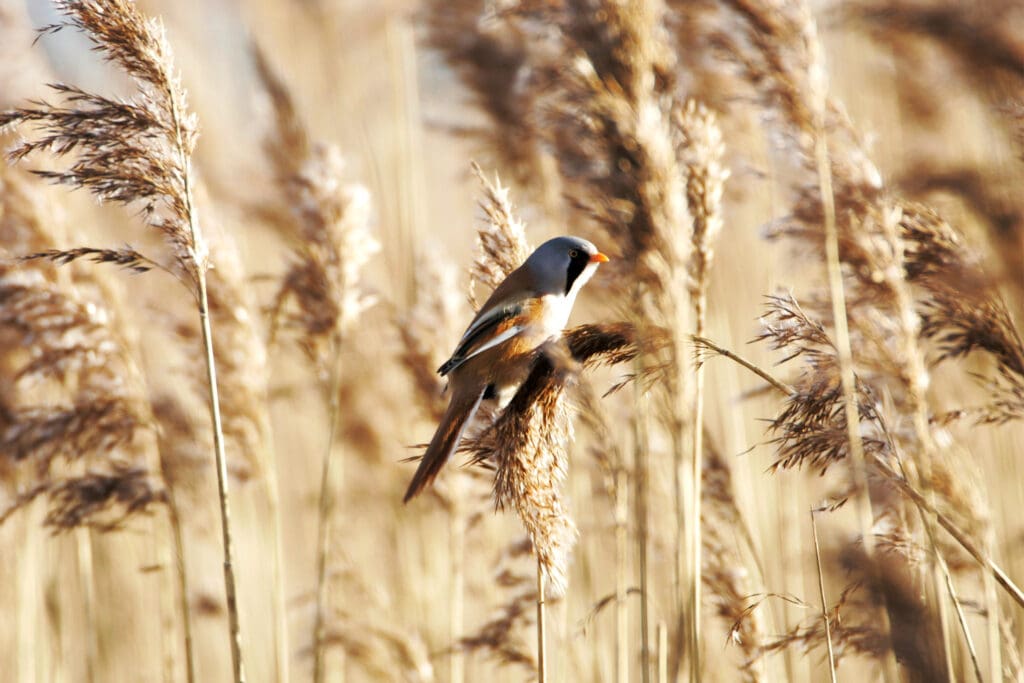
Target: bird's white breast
554,314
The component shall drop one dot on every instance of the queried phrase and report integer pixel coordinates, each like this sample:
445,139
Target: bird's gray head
563,265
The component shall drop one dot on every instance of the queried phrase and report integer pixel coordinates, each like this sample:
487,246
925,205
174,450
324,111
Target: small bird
529,308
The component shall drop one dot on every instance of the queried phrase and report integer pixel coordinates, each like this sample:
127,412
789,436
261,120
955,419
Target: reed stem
542,663
87,576
279,608
457,530
844,351
325,514
696,568
621,572
234,625
199,259
640,481
824,601
662,652
181,577
981,557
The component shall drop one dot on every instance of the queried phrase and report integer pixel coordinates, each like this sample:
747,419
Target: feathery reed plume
137,152
854,632
528,439
501,244
882,462
863,232
973,42
73,420
334,246
429,327
528,473
849,625
916,638
611,127
963,313
985,193
321,296
527,444
702,150
68,379
490,55
327,226
811,428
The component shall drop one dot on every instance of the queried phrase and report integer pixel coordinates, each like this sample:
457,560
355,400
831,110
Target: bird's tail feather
446,440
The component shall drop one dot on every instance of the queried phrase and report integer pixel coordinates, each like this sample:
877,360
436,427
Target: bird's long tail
446,439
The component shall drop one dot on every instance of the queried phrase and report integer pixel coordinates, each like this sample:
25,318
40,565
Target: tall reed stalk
622,652
641,487
87,575
825,619
542,645
837,293
325,516
139,152
457,548
182,592
231,594
705,179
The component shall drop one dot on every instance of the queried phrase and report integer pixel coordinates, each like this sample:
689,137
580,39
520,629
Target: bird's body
530,307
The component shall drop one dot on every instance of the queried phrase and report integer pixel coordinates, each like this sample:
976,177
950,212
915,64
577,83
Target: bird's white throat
558,307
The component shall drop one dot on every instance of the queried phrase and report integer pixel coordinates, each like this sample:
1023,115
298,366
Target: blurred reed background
810,463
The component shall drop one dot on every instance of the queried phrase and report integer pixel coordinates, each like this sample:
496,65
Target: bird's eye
573,253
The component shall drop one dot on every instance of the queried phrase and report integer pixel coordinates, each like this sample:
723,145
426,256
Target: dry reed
580,104
321,296
137,152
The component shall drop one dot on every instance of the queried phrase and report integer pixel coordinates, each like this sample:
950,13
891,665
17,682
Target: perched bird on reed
530,307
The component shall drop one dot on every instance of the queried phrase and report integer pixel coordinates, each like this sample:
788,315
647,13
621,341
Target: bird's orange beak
599,258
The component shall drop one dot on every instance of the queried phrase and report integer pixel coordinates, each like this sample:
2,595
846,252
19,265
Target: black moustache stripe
576,267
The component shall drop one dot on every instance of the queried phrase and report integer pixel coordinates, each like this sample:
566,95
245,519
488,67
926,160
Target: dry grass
652,466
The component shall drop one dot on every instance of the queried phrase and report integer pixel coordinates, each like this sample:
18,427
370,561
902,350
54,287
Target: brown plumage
495,353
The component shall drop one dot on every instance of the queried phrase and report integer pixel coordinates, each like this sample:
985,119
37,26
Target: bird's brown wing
498,325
